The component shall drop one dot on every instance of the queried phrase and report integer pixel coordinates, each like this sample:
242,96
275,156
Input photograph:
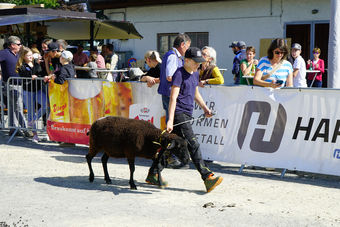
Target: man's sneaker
211,182
28,133
153,179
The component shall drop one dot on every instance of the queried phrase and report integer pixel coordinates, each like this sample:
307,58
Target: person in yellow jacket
209,72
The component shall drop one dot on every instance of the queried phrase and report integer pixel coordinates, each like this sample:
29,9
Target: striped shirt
280,74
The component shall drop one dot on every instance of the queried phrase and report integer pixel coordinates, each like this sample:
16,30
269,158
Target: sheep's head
175,145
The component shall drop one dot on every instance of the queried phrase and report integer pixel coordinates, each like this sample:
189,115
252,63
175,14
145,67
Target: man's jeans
15,106
165,102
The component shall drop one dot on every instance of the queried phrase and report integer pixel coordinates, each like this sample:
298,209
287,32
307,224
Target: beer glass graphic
86,101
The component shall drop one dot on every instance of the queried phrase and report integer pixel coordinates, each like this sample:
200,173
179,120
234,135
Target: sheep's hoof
133,187
108,181
91,178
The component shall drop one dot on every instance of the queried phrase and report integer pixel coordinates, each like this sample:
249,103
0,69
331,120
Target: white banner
296,129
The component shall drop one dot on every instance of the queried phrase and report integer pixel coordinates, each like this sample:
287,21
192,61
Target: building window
166,40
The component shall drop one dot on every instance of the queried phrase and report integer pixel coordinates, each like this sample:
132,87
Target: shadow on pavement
298,177
117,187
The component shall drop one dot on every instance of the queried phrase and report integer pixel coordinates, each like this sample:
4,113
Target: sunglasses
279,52
316,53
18,44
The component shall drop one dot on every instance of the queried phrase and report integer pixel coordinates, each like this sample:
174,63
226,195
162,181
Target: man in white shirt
299,66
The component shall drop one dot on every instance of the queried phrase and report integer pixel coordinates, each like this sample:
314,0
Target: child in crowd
33,93
66,71
315,79
299,66
184,91
93,65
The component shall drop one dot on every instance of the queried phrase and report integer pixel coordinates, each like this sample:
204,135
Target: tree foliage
47,3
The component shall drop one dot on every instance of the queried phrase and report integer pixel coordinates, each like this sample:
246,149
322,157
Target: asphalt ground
47,185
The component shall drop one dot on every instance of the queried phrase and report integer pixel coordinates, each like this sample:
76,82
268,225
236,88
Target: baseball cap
195,54
53,46
233,44
296,46
67,55
241,43
153,55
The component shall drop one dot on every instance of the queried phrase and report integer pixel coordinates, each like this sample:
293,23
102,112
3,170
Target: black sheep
122,137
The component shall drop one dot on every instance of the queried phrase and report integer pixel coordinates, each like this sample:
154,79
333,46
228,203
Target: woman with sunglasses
273,70
315,64
153,60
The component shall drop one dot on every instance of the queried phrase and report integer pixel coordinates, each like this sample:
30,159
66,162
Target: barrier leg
241,168
12,136
283,173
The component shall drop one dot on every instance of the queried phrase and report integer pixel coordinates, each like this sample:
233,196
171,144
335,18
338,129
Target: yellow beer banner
76,104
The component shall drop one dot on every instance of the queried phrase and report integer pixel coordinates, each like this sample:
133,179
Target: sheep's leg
89,160
160,159
105,157
132,170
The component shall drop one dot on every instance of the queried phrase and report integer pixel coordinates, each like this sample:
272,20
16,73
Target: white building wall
248,20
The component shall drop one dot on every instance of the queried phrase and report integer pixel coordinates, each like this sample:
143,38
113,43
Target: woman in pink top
315,64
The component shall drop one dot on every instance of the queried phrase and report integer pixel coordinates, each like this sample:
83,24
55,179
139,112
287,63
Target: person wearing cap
241,55
52,63
66,70
299,67
234,47
236,62
153,60
184,91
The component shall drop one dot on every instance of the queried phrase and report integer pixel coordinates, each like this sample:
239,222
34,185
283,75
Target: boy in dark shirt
66,71
184,91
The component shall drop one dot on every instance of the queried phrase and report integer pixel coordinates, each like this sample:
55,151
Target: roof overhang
116,4
70,25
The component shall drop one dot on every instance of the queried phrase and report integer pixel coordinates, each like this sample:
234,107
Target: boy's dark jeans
185,131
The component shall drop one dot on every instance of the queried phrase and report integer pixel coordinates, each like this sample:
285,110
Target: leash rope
202,116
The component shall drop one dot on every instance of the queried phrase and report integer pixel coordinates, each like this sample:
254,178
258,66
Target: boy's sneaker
211,182
153,179
35,139
173,162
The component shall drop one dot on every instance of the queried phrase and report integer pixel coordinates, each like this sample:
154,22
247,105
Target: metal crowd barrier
27,106
117,75
2,106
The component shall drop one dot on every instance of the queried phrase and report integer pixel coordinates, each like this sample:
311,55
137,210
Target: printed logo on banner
145,110
257,144
336,154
